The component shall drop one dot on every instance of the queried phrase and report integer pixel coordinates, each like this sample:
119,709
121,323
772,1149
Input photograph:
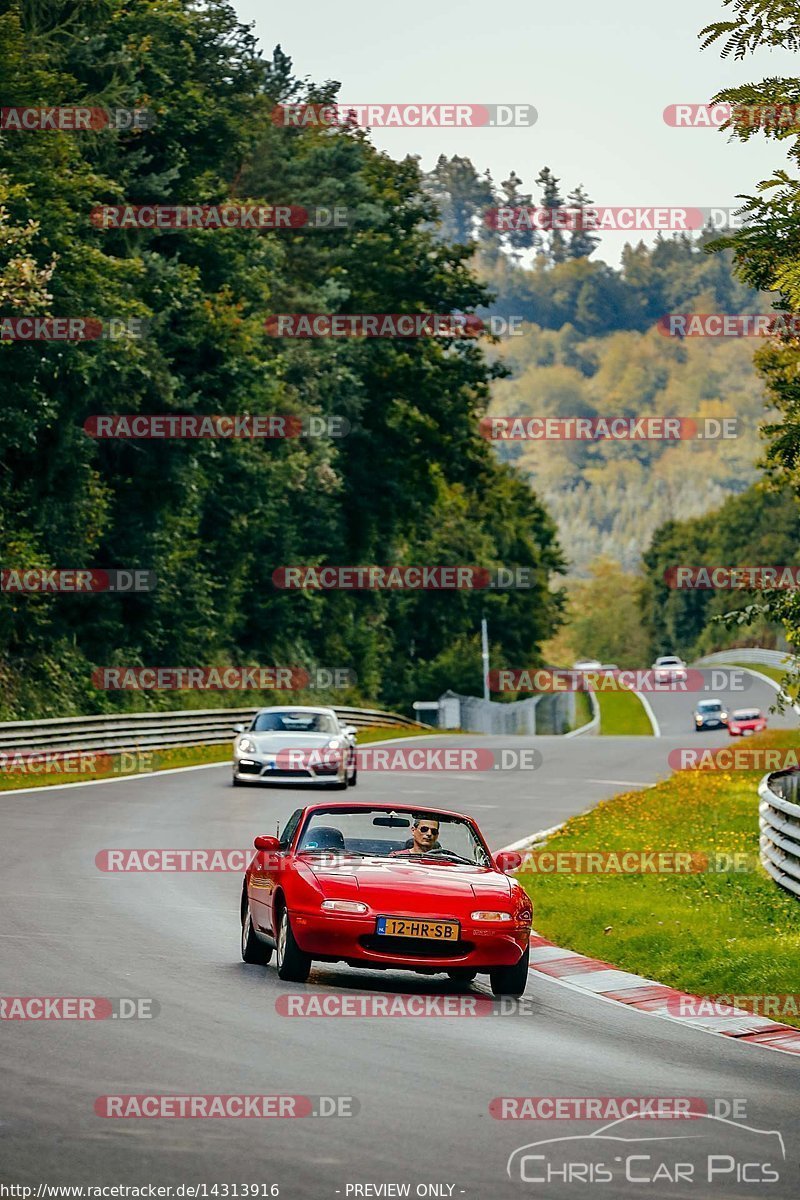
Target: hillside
589,346
609,497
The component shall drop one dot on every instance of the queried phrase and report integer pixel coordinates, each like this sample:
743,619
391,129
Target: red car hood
376,879
748,724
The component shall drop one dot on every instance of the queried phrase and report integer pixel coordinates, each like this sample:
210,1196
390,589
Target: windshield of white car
294,722
709,706
379,833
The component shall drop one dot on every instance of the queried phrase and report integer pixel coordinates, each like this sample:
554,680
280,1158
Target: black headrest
324,838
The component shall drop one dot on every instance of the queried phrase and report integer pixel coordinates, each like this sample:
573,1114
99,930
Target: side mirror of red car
267,843
508,861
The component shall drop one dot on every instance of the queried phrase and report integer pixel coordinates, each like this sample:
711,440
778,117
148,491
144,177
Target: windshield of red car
369,832
747,714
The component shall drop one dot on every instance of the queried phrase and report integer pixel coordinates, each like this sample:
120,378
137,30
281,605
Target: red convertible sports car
386,887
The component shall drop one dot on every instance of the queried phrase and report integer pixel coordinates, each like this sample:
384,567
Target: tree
461,196
582,243
604,620
525,237
767,249
553,202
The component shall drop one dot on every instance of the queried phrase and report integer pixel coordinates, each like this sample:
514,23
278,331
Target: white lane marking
623,782
531,840
648,708
58,787
223,762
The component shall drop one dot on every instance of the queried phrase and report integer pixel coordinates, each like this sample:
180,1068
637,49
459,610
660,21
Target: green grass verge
115,766
622,713
709,934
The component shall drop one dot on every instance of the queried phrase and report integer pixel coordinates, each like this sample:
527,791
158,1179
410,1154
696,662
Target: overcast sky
600,76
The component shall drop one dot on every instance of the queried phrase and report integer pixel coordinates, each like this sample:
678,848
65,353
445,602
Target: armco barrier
151,730
779,822
747,654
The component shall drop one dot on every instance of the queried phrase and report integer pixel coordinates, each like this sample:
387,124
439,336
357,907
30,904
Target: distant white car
587,664
669,667
300,745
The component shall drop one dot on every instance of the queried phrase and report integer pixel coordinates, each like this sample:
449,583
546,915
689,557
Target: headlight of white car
335,744
247,746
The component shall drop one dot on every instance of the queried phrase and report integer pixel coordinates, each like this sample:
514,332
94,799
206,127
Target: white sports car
301,746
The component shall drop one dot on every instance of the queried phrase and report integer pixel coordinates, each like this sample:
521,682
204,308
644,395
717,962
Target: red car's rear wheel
253,949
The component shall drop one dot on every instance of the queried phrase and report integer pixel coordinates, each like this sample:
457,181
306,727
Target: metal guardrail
158,730
748,654
779,822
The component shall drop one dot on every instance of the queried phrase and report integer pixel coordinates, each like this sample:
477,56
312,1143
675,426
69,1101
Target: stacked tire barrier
779,822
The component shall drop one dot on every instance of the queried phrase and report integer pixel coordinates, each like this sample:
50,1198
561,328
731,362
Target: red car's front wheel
293,964
511,981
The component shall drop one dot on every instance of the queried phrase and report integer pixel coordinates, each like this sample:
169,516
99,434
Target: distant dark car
710,714
745,721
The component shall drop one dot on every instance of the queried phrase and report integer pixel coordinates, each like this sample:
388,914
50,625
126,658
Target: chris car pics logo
712,1152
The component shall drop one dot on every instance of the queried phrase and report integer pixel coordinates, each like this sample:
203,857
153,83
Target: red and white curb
607,982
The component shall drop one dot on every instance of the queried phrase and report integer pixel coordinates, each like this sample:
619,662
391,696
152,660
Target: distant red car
386,887
746,721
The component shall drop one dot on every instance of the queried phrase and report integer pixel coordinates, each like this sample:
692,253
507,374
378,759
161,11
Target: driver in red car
425,836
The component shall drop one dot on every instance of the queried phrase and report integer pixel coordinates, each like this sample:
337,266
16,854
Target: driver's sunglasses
427,829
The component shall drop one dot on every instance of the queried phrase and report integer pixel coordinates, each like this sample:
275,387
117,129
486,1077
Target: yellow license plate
440,931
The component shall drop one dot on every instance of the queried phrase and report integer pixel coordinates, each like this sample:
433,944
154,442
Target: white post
485,657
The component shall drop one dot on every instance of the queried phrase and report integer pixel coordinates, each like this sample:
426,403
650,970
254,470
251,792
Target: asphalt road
423,1085
733,686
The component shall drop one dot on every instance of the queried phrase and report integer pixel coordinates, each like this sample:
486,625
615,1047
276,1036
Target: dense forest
412,483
